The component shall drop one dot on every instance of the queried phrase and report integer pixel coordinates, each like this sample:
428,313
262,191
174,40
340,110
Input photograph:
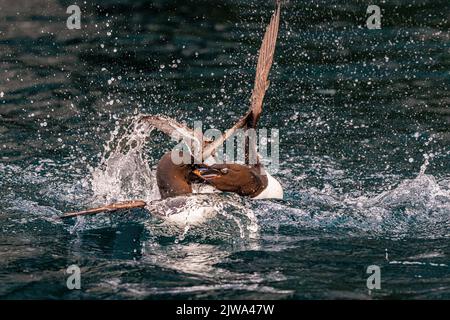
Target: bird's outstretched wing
108,208
171,127
178,131
265,59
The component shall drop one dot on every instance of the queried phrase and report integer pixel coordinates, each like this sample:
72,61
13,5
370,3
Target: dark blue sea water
364,124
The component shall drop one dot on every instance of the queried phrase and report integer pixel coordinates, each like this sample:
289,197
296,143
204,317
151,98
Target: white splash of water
217,214
124,171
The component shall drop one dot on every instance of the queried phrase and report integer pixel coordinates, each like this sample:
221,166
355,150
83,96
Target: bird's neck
173,180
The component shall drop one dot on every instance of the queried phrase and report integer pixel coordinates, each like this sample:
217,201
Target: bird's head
241,179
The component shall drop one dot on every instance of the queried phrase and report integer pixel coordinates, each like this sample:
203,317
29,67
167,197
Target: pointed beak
206,173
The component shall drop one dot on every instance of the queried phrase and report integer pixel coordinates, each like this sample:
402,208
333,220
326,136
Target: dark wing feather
108,208
265,59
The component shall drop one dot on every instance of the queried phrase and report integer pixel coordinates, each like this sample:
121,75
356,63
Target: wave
415,208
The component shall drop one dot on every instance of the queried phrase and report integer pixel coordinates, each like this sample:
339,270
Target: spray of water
124,172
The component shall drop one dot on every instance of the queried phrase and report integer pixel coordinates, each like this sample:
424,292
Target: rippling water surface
364,157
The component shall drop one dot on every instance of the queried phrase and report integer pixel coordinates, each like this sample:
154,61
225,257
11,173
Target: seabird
250,180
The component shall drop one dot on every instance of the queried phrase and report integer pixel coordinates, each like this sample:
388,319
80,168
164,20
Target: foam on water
124,172
418,207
